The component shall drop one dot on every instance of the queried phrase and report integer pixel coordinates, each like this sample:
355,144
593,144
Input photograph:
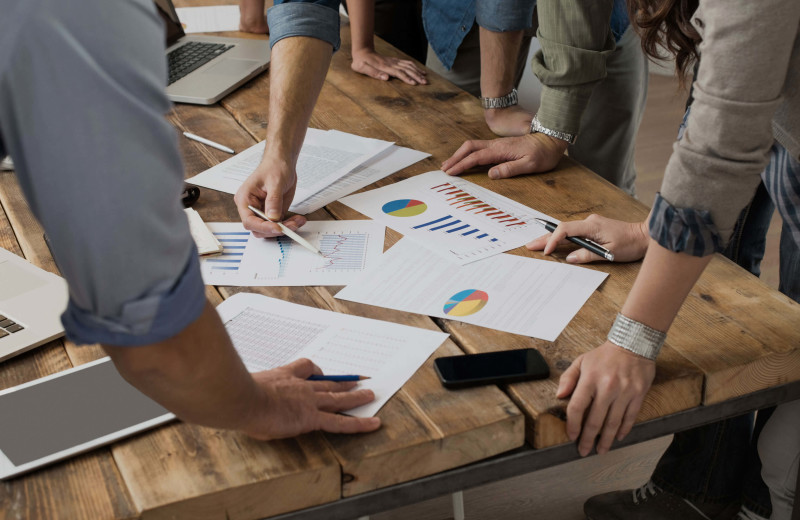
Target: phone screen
491,367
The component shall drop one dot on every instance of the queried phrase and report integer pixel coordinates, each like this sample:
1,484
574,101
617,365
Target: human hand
627,240
607,386
530,153
271,187
508,122
295,405
370,63
252,18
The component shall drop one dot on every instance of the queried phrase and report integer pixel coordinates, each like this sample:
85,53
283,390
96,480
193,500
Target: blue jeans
718,463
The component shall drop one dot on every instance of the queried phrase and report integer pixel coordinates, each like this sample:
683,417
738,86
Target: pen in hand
337,378
286,231
585,243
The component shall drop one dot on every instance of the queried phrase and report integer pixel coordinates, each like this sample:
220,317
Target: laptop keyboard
8,326
191,56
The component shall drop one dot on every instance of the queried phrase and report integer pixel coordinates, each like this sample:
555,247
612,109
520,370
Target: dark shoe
650,502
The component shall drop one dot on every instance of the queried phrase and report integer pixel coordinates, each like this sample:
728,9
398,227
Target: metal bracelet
536,126
506,101
636,337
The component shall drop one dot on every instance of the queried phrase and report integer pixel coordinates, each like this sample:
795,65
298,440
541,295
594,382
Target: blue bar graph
459,228
432,222
453,223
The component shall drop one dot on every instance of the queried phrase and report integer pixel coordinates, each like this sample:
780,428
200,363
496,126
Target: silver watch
509,100
636,337
536,126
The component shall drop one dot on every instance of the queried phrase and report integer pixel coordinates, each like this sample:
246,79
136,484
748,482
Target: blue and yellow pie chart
404,208
466,302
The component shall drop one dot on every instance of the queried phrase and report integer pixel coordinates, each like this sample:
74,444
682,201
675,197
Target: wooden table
733,345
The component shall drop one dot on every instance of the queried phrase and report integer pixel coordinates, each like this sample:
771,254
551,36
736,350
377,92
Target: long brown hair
666,24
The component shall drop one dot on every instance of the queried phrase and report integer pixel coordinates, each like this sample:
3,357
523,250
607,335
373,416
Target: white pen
208,142
288,232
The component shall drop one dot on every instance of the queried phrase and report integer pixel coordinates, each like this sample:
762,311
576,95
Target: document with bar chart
455,218
511,293
347,246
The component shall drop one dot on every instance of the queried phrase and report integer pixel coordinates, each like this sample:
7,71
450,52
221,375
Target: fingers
463,151
303,368
339,401
511,168
630,416
569,378
366,69
333,386
334,423
611,426
273,203
583,256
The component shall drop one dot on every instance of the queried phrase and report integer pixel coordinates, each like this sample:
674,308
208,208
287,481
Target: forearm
197,374
499,52
662,285
362,24
298,69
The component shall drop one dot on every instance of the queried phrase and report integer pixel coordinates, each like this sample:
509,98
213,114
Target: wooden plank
88,486
435,428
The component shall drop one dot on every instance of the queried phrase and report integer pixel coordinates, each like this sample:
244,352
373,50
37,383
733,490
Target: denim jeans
718,463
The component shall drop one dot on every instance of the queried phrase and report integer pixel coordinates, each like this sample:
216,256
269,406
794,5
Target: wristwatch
509,100
536,126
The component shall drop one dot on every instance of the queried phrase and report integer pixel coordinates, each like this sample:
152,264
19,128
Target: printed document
348,247
269,333
214,18
458,220
520,295
324,158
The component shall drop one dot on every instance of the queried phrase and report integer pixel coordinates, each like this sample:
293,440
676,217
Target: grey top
82,109
747,96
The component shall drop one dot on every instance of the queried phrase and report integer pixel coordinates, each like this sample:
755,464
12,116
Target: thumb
273,203
510,169
582,256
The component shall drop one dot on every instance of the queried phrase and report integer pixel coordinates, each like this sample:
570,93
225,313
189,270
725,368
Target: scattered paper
506,292
457,219
324,158
269,333
215,18
206,242
348,248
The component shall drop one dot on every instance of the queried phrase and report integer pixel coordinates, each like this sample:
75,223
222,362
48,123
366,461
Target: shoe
746,514
650,502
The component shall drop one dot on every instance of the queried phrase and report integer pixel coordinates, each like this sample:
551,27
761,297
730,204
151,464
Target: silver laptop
31,303
204,69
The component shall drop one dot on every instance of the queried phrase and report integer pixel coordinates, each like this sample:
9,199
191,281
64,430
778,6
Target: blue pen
337,378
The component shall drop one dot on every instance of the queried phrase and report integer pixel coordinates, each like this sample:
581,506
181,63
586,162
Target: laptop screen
172,26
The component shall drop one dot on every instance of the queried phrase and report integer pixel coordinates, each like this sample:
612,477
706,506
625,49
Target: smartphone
508,366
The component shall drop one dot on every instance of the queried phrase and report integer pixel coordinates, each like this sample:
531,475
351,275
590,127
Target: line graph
343,251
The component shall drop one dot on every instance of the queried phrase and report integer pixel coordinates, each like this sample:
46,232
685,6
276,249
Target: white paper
506,292
458,220
349,247
324,158
269,333
384,164
204,240
213,18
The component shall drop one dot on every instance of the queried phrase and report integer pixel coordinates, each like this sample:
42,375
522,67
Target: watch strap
536,126
506,101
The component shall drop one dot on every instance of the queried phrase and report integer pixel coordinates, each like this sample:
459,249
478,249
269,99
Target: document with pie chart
455,218
511,293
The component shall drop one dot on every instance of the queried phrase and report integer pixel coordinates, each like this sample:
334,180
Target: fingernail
274,214
572,257
492,174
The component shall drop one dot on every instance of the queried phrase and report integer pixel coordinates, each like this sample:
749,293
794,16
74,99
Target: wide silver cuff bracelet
636,337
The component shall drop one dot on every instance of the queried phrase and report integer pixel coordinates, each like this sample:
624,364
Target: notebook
204,69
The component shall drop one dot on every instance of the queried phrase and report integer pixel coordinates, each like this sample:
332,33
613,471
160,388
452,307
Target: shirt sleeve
504,15
82,114
715,168
576,40
313,18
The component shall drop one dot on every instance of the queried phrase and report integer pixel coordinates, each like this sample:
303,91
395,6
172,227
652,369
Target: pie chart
404,208
466,302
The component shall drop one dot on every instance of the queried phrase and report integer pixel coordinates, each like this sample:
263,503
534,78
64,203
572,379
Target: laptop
204,69
31,303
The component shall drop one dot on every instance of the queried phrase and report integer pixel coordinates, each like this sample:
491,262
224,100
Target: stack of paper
331,165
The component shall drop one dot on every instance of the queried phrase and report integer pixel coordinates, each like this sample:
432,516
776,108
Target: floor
558,493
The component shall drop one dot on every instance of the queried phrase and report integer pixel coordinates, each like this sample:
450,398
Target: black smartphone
508,366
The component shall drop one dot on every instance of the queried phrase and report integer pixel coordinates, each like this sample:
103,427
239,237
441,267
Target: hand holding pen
626,241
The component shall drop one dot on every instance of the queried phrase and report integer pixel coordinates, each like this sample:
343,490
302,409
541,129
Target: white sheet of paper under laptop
269,333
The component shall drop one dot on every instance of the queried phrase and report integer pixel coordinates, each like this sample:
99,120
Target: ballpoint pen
208,142
288,232
585,243
337,378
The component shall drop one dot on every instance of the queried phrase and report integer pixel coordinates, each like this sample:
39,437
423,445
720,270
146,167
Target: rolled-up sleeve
715,168
576,40
504,15
82,114
313,18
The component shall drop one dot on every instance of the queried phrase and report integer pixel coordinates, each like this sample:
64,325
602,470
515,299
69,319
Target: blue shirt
313,18
447,22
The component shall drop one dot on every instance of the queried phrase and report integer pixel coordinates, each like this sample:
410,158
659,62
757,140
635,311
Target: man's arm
368,62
